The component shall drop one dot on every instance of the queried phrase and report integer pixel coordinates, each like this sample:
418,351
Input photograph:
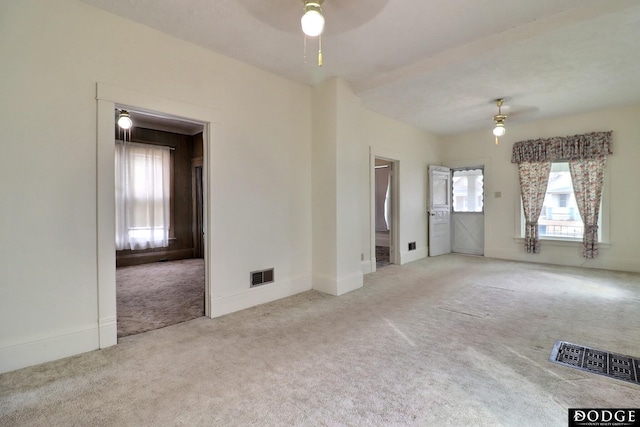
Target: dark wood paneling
198,145
141,257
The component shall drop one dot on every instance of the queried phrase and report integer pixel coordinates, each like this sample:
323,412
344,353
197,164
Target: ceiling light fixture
124,120
312,20
312,23
499,130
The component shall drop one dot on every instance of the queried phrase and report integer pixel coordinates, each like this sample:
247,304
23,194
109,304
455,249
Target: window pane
142,196
560,216
440,192
468,190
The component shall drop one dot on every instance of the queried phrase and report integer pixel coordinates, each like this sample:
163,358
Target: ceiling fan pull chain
320,50
304,54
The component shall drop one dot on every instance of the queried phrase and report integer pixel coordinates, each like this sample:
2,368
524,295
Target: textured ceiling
434,64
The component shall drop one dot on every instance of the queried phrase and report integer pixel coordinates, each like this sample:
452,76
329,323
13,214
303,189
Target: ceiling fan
499,119
312,23
341,15
515,113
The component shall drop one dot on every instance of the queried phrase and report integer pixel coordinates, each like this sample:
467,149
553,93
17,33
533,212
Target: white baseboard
572,257
45,350
337,286
258,295
415,255
108,332
366,266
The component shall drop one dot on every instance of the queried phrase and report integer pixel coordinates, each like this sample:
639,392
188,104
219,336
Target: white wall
336,191
414,150
53,54
502,176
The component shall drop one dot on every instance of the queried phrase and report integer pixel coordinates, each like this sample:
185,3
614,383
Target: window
142,196
468,190
560,217
587,159
562,200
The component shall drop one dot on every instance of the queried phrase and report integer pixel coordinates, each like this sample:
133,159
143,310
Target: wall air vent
261,277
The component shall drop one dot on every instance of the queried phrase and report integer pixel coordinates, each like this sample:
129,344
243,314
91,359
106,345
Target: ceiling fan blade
518,111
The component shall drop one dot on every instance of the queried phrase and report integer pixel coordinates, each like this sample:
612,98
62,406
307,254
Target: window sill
564,242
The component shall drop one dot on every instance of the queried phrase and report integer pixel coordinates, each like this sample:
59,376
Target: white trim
106,246
394,158
567,243
410,256
108,331
604,231
44,350
365,266
483,163
108,97
259,295
337,286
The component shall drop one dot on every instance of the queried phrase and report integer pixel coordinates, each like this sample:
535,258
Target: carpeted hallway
152,296
452,340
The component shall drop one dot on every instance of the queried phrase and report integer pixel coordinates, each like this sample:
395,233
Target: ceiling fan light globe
499,130
312,23
124,120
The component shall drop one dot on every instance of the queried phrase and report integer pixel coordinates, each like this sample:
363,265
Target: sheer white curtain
142,196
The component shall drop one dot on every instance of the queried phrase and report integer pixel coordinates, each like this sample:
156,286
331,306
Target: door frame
394,235
485,164
197,163
109,97
455,214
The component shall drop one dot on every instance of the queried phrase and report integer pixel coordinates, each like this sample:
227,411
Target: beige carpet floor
447,341
159,294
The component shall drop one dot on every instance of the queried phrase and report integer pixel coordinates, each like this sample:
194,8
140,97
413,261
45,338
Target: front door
467,213
439,210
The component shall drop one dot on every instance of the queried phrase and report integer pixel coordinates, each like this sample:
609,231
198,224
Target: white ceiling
434,64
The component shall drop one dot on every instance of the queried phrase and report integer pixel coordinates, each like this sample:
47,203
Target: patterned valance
586,146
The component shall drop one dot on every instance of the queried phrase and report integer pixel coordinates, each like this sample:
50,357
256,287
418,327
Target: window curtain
588,177
534,177
382,189
586,154
142,173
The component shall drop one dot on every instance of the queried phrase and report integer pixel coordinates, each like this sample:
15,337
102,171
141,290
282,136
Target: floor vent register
618,366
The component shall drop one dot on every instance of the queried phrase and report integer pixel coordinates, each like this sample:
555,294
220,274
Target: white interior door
439,210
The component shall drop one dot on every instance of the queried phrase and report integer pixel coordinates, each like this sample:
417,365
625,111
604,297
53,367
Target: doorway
160,266
108,97
467,210
385,212
456,210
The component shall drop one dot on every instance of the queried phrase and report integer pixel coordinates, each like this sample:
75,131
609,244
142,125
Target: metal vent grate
261,277
612,365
